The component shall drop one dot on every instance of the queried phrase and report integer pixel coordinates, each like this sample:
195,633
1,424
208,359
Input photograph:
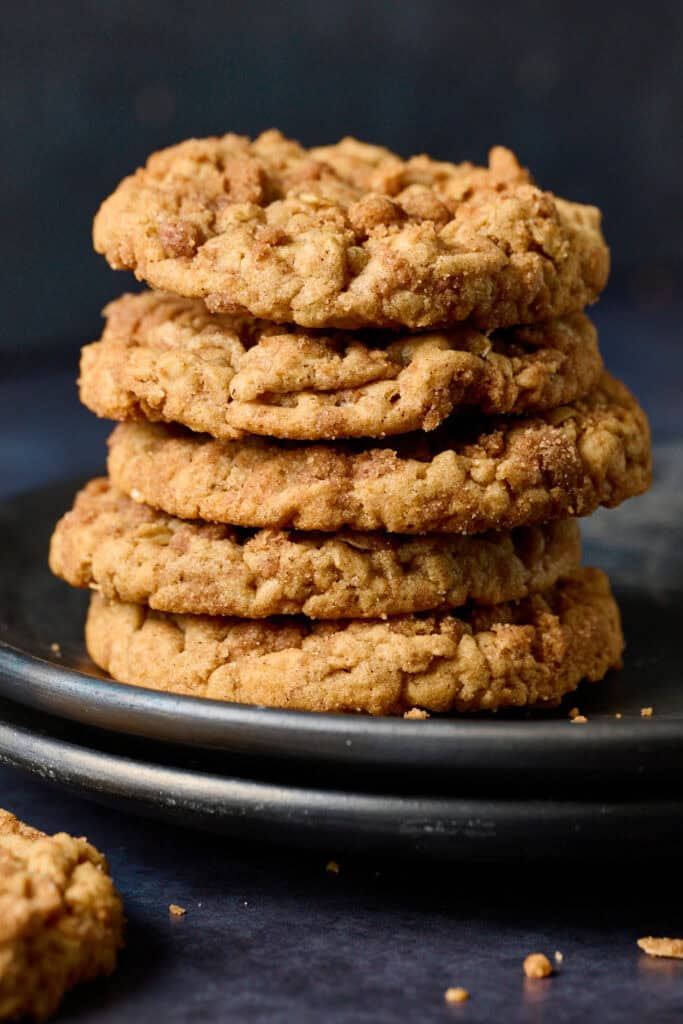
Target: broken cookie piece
61,919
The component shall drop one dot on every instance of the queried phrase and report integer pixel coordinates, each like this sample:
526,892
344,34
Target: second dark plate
152,782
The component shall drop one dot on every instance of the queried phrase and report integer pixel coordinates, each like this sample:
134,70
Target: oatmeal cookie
351,235
165,358
526,653
61,920
130,552
466,477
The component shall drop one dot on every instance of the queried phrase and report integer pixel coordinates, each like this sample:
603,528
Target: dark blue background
590,95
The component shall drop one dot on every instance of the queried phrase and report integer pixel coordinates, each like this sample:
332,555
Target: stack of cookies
360,413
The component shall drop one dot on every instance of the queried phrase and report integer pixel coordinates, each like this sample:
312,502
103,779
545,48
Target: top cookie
351,235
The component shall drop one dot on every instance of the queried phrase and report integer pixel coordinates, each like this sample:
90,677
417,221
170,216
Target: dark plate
335,820
641,546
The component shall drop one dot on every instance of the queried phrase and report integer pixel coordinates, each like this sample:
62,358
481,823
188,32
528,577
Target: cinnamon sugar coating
164,358
469,476
526,653
132,553
351,235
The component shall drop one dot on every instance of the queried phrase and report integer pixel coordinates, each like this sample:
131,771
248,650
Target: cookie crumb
578,719
574,713
56,649
559,957
618,715
537,965
646,712
176,910
456,995
416,713
661,947
332,867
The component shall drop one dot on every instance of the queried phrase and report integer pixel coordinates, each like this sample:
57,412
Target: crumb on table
456,995
176,910
56,649
416,713
559,957
574,713
332,867
537,965
646,712
578,719
661,947
618,715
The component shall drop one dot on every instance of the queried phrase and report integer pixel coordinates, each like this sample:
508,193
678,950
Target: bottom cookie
61,919
530,653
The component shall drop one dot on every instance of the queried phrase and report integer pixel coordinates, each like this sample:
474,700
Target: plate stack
360,413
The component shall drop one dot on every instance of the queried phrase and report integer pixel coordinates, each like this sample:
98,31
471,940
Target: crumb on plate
176,910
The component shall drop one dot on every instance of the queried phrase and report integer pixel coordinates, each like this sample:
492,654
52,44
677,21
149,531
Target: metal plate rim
456,828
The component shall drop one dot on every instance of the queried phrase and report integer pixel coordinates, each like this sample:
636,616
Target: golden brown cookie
466,477
130,552
526,653
352,236
61,919
165,358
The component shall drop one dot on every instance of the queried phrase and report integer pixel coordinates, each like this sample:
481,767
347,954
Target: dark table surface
269,934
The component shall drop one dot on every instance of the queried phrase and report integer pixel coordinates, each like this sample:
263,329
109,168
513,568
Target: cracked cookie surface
61,920
530,652
466,477
164,358
351,235
132,553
